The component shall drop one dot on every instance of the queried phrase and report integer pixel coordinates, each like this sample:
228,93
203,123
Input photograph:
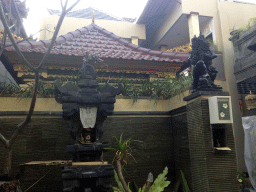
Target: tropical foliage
156,89
159,184
244,180
123,151
235,33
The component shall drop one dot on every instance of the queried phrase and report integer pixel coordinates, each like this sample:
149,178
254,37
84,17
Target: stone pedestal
87,172
87,152
207,169
87,107
87,176
67,176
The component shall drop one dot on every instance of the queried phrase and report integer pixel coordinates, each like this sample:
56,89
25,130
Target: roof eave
147,11
141,19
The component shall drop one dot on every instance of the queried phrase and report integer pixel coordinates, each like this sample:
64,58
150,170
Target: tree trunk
8,162
120,175
7,31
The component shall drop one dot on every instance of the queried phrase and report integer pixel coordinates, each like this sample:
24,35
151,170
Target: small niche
219,137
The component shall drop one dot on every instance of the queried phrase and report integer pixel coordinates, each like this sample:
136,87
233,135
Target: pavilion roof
86,13
101,42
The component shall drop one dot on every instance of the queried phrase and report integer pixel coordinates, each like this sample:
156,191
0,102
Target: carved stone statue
201,58
86,105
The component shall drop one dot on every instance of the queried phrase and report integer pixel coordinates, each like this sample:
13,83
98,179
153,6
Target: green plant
157,89
159,184
119,187
250,23
9,89
185,183
243,179
43,89
235,33
123,151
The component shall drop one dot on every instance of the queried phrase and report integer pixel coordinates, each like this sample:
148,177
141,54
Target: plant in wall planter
11,186
244,182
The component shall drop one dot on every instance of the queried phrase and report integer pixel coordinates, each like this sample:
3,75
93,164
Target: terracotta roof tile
143,49
99,41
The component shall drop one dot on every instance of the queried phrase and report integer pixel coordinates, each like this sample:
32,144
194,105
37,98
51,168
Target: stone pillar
193,25
163,48
135,40
209,169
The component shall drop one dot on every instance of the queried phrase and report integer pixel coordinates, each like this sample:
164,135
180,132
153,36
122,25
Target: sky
118,8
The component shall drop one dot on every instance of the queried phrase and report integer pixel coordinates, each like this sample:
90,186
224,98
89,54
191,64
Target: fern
159,184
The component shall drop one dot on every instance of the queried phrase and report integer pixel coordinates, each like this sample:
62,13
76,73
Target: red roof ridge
71,35
46,42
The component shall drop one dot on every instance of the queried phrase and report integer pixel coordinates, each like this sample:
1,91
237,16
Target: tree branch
25,39
3,43
62,16
13,25
72,6
30,112
61,3
46,55
4,140
20,22
6,27
65,6
9,143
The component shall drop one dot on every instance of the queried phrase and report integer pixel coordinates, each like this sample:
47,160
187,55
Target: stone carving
88,94
201,58
86,106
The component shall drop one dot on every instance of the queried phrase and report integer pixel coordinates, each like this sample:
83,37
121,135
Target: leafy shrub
158,186
156,89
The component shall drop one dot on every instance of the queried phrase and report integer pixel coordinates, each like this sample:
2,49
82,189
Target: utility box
220,109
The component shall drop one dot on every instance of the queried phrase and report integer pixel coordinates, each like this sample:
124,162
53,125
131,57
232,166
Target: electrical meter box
220,109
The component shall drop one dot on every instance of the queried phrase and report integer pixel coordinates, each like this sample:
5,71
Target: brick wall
181,140
209,171
181,153
46,138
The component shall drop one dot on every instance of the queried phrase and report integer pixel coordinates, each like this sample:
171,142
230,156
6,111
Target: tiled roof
101,42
